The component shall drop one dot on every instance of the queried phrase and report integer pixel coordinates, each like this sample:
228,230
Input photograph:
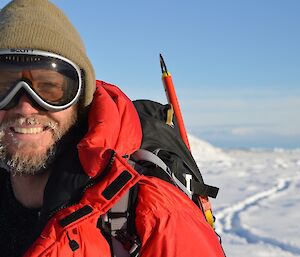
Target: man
64,147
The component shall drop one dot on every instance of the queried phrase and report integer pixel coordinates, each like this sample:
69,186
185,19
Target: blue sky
235,64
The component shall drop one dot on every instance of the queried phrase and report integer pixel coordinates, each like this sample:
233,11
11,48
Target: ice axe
173,101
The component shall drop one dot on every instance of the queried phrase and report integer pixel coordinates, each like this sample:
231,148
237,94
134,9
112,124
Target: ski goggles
50,80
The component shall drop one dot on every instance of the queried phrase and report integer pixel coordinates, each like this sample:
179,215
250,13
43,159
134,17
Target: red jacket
167,222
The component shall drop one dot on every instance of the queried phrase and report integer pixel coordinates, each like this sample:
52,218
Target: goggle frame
24,85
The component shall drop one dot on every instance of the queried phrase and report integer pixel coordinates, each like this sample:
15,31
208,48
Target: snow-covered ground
259,198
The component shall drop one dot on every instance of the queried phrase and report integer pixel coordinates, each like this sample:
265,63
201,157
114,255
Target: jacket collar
113,125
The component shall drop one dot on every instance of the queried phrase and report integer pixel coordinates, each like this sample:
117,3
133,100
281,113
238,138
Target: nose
25,106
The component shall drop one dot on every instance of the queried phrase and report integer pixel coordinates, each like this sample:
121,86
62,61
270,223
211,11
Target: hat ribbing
40,25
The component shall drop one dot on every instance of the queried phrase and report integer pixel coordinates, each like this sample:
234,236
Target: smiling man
29,133
65,142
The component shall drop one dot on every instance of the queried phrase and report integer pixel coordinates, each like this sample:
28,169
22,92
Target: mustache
32,120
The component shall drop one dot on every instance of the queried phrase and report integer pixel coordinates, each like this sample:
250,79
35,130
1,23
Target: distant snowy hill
205,152
259,198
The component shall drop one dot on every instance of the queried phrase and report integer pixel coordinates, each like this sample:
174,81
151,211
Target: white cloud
243,131
265,130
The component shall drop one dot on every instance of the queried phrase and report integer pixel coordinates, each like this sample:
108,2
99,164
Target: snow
205,152
259,199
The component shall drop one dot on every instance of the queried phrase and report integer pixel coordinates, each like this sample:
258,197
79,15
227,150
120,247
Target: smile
31,130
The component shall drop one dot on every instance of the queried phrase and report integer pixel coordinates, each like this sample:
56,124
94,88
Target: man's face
28,136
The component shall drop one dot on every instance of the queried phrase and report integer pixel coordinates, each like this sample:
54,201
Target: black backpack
164,155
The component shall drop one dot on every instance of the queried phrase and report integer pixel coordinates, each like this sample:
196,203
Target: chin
28,162
30,148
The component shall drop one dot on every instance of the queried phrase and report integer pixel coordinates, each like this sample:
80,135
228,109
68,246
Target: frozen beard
26,158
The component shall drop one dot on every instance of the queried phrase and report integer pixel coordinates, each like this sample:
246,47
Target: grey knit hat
40,25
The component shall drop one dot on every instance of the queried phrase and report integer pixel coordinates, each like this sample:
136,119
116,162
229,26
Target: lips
28,135
31,130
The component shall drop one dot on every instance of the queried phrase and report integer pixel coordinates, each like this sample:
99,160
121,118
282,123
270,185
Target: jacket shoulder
155,193
169,224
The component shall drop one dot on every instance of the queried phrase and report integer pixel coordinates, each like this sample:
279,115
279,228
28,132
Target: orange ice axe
173,100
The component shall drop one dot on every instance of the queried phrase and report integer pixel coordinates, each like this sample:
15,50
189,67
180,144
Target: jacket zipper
91,183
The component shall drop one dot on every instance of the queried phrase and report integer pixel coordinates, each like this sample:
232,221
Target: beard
19,162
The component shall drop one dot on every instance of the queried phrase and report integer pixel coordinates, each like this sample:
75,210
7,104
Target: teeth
28,130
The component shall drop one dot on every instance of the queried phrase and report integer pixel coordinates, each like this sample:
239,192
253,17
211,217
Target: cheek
66,117
2,114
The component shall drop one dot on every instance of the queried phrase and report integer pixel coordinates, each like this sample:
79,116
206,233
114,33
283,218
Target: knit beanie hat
40,25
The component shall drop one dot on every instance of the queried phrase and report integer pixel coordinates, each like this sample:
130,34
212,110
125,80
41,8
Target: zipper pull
72,243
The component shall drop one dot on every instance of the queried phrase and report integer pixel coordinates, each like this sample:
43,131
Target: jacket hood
114,125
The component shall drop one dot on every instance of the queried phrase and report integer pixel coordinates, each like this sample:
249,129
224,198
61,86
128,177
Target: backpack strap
195,187
119,213
145,155
118,226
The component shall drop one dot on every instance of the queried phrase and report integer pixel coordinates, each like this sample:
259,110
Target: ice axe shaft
173,100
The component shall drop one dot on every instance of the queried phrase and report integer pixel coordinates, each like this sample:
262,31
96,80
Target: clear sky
235,63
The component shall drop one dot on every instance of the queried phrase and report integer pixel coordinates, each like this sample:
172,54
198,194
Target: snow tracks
228,220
